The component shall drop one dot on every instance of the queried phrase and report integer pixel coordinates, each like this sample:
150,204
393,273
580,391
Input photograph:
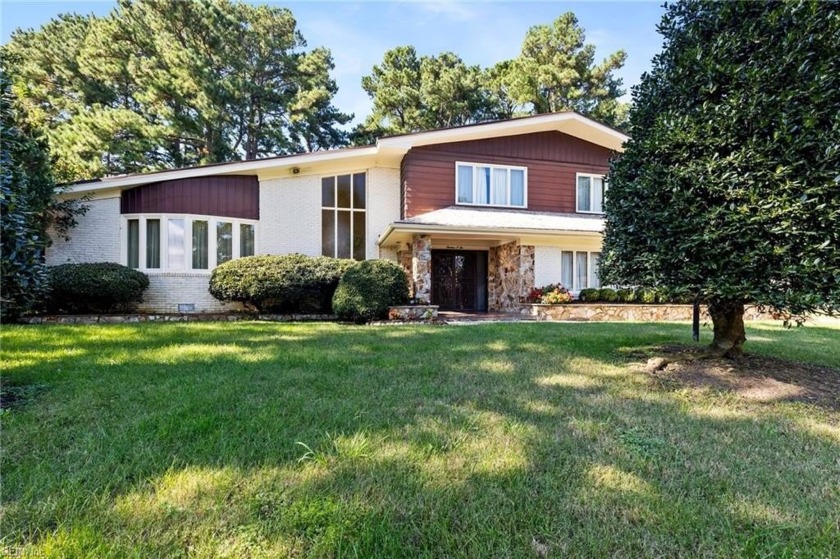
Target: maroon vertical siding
225,196
552,158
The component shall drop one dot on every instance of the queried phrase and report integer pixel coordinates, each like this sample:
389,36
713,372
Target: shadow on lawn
491,441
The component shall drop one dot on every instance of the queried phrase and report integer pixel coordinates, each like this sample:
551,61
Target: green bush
289,283
647,296
626,295
367,290
589,295
607,295
100,287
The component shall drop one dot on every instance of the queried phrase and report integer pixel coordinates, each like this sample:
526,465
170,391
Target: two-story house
477,215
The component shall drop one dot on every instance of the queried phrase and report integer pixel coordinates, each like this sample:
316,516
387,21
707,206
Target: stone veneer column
421,267
404,260
510,276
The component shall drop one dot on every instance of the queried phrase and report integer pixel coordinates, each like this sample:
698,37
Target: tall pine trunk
728,322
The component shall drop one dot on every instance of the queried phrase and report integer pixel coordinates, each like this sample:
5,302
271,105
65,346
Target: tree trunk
728,321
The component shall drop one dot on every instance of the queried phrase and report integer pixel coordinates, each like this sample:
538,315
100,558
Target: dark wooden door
457,281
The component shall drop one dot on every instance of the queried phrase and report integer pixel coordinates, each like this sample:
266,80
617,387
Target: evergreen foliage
555,71
28,208
291,283
729,188
162,84
100,287
367,289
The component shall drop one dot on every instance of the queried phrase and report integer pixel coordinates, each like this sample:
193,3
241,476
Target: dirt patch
753,377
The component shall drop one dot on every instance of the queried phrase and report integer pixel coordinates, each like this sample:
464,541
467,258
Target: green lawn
497,440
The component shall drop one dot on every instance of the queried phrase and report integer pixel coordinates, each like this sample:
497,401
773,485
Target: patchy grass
497,440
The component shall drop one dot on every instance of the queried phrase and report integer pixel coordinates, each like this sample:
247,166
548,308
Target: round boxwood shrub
367,290
589,295
626,295
289,283
607,295
100,287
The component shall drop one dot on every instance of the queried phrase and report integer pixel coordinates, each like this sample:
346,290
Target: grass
497,440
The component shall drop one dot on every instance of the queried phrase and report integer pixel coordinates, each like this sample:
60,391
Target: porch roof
490,221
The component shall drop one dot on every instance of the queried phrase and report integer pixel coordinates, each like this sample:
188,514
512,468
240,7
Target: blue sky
358,33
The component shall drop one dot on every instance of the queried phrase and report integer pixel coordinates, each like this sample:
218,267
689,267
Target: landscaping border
626,312
173,317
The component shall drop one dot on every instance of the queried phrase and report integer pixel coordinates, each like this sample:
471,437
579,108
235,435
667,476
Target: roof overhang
388,151
397,233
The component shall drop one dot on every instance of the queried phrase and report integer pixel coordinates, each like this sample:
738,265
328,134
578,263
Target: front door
459,280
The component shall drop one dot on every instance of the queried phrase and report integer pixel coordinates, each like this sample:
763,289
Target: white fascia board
243,167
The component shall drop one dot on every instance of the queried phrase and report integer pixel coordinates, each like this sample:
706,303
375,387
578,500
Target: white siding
96,238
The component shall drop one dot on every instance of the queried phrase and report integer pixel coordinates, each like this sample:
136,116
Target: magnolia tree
729,189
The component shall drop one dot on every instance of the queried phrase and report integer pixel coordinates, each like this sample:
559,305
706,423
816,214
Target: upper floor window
491,185
590,193
343,203
181,243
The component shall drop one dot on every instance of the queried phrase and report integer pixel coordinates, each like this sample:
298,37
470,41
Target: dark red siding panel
552,158
224,196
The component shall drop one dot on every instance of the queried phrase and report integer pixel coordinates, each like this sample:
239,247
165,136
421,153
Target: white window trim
335,209
575,288
492,166
164,240
591,188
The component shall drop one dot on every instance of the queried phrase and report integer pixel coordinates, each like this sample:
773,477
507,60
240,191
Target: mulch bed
752,377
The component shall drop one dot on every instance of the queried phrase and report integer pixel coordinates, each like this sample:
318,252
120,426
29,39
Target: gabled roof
387,150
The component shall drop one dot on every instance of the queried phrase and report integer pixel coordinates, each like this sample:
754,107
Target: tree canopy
729,188
555,71
161,84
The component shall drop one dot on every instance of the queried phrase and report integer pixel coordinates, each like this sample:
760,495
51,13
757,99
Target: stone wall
596,312
421,268
510,271
413,312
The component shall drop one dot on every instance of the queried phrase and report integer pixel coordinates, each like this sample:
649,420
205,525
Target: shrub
101,287
647,296
551,294
589,295
626,295
367,289
607,295
287,283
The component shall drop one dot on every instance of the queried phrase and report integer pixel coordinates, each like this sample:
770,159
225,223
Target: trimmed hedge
626,295
101,287
588,295
290,283
367,290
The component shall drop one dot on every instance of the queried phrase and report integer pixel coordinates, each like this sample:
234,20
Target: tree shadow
498,440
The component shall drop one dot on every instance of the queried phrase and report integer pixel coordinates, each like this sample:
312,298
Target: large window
491,185
579,270
183,243
343,200
590,193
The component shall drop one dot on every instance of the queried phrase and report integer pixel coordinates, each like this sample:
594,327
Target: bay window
180,243
490,185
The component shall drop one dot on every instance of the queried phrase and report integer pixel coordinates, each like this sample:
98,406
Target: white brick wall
290,216
290,212
383,208
167,290
96,238
546,265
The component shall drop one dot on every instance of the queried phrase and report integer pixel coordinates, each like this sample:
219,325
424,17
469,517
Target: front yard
324,440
